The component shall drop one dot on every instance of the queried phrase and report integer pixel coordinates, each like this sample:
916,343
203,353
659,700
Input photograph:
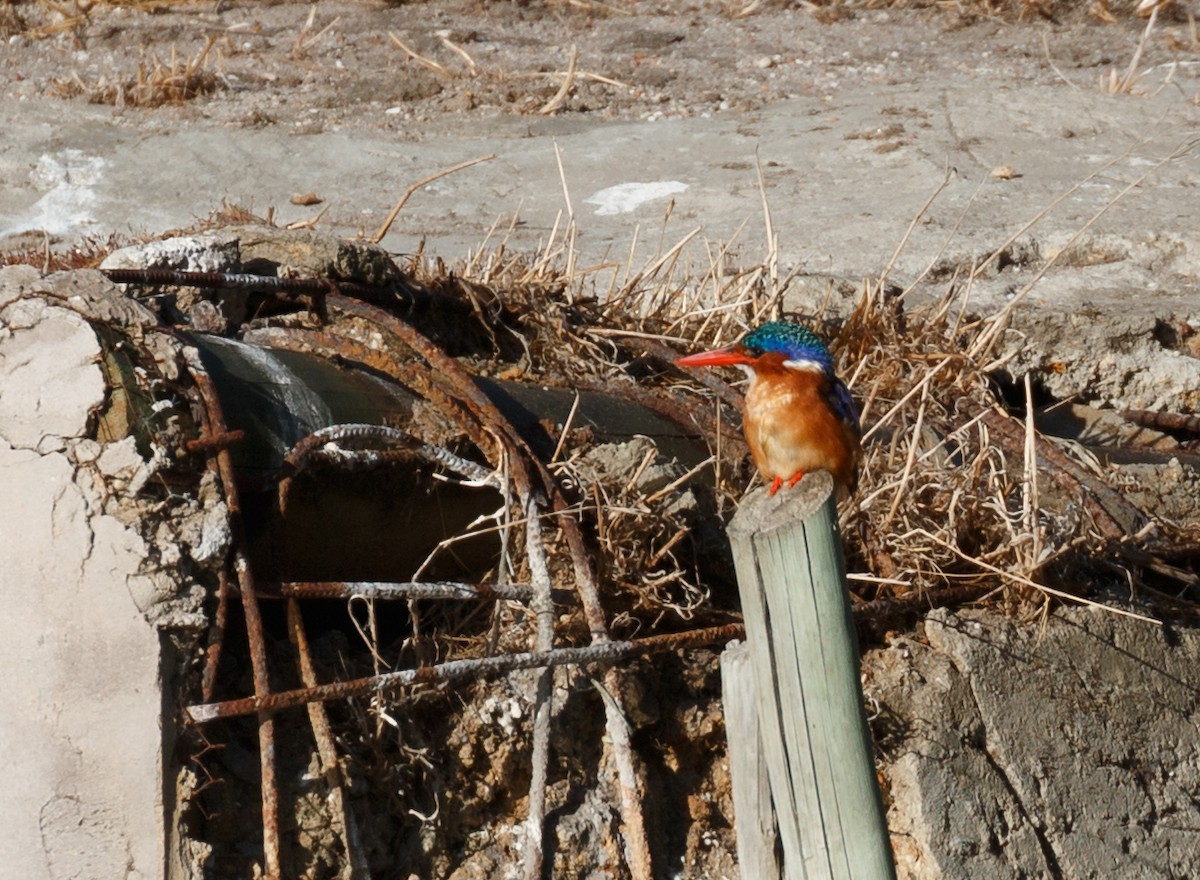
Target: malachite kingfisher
798,415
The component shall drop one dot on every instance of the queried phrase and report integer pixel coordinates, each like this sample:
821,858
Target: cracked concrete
84,653
80,680
1069,752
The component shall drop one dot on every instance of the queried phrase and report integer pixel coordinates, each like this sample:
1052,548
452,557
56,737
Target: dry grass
38,19
156,82
957,488
86,253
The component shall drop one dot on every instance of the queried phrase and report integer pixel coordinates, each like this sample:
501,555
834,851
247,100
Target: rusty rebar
458,670
325,443
405,371
449,590
216,638
463,388
216,632
209,443
404,292
254,627
441,365
216,280
331,771
1179,423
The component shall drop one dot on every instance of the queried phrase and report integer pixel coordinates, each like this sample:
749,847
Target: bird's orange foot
775,486
796,478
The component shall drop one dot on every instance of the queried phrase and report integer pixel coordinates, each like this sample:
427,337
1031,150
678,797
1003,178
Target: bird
798,416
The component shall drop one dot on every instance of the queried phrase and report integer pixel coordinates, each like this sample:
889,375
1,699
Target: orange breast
791,429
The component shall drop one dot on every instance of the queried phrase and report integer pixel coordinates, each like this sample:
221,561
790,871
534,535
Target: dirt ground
420,68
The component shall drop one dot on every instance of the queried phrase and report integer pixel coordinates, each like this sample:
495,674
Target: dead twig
421,59
568,83
387,224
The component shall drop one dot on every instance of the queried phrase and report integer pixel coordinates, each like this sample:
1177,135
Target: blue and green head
798,345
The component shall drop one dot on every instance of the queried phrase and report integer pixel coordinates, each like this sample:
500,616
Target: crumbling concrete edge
107,571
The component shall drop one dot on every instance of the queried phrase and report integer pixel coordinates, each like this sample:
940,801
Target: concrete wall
81,680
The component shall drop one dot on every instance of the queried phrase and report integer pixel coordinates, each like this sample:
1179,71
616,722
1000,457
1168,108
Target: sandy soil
421,68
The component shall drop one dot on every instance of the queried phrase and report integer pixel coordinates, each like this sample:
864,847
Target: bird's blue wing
842,403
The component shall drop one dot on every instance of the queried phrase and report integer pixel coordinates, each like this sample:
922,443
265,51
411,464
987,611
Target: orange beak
719,357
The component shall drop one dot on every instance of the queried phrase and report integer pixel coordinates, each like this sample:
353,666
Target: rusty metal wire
409,372
216,280
216,633
325,443
216,638
211,443
402,293
443,382
470,669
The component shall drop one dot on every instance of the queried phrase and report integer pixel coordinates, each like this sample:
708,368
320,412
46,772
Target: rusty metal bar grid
457,670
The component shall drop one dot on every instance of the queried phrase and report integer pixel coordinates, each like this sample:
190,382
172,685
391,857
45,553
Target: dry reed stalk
569,266
560,98
772,258
1116,83
543,611
419,58
458,50
420,184
304,41
1031,495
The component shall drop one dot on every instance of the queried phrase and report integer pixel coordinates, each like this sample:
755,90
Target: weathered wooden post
804,656
752,810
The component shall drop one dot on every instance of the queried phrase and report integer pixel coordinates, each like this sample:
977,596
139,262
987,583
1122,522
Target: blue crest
793,341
